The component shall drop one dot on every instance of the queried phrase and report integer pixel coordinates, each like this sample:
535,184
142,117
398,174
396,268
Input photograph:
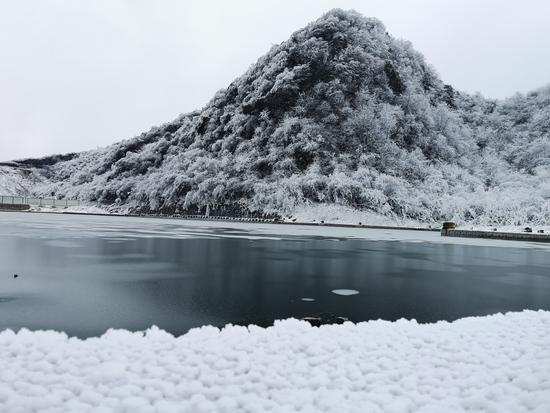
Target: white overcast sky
78,74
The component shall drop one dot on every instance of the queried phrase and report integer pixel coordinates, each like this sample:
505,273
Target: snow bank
339,214
499,363
81,209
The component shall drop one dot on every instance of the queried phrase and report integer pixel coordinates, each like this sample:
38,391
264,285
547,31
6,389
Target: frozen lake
85,274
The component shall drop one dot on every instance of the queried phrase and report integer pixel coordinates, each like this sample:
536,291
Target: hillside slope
341,113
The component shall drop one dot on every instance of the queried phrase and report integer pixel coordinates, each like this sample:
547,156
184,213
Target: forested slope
341,113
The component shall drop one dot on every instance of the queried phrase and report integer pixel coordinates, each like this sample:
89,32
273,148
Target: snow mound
339,214
498,363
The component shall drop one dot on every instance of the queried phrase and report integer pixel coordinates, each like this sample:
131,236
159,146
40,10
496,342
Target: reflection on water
85,285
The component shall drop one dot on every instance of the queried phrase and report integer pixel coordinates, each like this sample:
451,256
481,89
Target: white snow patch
497,363
81,209
307,299
345,292
339,214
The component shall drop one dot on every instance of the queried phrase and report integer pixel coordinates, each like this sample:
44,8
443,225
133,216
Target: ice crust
498,363
79,226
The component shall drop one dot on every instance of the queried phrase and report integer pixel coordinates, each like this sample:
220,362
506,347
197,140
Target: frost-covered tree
340,113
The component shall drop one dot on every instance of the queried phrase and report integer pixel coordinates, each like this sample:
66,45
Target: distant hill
341,113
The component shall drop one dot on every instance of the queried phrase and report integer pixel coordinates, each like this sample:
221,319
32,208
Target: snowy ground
81,209
338,214
499,363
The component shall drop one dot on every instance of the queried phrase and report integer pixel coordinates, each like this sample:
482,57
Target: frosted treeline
340,113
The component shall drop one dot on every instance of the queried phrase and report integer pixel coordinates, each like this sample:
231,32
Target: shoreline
233,219
454,233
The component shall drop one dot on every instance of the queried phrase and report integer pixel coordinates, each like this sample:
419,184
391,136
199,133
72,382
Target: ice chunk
345,292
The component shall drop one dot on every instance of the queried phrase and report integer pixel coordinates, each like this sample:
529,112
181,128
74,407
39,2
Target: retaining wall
512,236
14,207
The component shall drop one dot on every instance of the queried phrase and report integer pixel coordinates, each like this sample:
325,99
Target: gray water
86,274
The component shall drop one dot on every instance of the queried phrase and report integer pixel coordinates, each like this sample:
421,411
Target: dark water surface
85,274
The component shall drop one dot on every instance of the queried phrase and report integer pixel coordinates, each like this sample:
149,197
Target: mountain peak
340,20
341,113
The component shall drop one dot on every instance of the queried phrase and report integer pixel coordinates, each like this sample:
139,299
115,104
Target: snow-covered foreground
499,363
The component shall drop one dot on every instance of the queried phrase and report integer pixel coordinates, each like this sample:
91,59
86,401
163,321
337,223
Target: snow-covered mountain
341,113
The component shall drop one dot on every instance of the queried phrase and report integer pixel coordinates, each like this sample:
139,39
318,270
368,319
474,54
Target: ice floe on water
307,299
345,292
497,363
